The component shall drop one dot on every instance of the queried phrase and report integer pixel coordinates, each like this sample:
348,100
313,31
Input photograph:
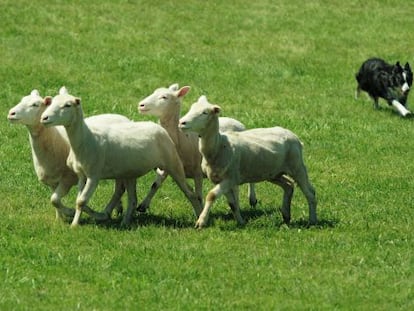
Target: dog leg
376,105
401,109
357,91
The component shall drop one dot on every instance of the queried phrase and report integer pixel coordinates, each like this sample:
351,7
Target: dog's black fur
382,80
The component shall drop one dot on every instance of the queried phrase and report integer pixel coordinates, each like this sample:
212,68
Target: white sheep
50,149
165,103
119,151
234,158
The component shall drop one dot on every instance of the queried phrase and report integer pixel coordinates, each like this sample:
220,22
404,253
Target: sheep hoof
199,224
96,215
119,210
286,218
68,212
142,208
101,216
125,225
253,203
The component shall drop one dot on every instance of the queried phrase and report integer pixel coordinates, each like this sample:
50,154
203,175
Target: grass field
288,63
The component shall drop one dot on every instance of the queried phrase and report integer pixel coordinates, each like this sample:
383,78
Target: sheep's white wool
126,151
50,148
233,158
165,103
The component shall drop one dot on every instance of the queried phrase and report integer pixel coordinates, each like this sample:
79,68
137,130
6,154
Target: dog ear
397,68
407,66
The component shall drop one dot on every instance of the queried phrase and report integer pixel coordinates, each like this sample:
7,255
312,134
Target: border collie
382,80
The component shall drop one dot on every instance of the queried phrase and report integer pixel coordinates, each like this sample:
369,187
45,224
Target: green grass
290,63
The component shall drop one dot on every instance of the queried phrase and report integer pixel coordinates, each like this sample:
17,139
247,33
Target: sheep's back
261,154
229,124
132,149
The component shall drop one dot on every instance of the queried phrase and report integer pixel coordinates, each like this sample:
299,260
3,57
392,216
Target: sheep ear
47,100
63,90
173,87
77,101
183,91
216,109
35,93
203,99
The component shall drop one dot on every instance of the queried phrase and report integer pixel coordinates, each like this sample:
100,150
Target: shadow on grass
141,220
262,217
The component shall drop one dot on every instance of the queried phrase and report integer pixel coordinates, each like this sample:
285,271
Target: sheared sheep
165,103
119,151
50,149
234,158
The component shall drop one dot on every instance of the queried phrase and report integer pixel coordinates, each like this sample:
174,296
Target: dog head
400,82
402,78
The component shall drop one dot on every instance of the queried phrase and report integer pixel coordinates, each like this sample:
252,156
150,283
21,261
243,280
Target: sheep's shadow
255,214
143,220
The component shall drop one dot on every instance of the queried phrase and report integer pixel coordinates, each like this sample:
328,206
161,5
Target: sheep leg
185,188
115,202
131,187
233,200
61,210
161,176
116,198
252,195
198,187
211,197
288,188
83,197
304,184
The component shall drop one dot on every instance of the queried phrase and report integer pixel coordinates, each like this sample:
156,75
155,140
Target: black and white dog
390,82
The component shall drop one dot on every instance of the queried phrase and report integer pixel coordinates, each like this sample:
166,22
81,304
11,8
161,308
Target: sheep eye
67,105
163,97
35,105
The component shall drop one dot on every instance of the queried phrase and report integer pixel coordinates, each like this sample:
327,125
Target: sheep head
163,101
28,110
200,117
62,109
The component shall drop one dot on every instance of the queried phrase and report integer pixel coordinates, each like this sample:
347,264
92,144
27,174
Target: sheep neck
36,131
41,139
210,140
80,136
169,122
48,147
